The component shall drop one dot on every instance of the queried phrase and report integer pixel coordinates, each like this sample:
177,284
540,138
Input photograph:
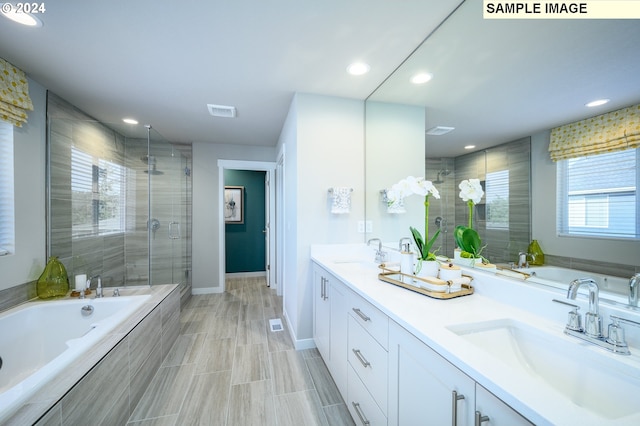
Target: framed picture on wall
234,204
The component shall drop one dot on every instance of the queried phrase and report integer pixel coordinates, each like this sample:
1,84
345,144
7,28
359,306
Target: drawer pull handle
454,407
480,419
363,419
361,315
361,358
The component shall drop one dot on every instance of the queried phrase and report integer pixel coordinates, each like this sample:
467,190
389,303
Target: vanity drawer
371,319
370,361
361,405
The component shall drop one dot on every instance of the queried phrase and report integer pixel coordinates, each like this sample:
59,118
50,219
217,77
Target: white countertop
495,297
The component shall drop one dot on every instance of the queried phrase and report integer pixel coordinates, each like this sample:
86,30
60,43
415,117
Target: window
7,212
597,195
97,188
497,199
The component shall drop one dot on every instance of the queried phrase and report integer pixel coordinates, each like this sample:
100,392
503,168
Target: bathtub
611,287
40,339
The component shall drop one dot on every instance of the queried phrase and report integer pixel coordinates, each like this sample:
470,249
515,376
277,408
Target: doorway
269,214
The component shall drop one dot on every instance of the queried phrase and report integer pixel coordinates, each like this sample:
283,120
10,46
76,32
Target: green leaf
457,236
471,241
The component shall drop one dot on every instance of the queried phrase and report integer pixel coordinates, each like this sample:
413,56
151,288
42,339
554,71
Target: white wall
395,150
205,253
543,218
29,150
324,138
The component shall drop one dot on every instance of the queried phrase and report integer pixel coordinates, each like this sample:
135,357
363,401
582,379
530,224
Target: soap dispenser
406,257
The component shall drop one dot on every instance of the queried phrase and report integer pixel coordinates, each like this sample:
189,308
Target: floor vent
275,324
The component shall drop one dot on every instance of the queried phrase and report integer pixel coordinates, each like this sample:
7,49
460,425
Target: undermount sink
590,379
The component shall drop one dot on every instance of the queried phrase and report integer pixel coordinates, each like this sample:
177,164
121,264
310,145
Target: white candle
81,282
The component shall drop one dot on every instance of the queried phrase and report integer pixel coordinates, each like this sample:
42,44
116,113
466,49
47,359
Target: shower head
154,171
441,174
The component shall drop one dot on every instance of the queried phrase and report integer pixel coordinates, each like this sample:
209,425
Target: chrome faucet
99,286
381,256
634,283
522,260
592,320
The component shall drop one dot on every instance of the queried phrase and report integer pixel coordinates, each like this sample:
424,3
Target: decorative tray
441,289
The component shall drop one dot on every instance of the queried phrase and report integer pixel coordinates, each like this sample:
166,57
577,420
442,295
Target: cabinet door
340,295
321,313
423,386
497,412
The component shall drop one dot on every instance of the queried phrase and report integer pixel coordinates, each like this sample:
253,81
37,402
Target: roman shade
14,94
614,131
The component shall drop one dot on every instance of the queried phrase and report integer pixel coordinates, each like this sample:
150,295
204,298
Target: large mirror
502,85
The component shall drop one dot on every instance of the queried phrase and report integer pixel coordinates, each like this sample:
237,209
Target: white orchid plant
466,237
418,186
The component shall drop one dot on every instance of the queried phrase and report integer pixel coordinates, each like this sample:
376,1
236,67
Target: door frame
263,166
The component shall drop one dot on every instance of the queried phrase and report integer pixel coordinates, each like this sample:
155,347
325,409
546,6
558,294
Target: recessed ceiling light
469,147
596,103
421,78
23,18
358,68
130,120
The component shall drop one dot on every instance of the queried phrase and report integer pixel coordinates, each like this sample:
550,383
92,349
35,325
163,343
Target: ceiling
496,81
493,80
163,62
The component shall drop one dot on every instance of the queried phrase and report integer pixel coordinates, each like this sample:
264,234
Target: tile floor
228,368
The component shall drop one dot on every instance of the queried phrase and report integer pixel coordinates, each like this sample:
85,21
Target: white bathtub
40,339
612,288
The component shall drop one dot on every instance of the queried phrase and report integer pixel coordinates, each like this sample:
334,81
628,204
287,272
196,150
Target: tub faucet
593,322
634,283
99,286
381,256
522,260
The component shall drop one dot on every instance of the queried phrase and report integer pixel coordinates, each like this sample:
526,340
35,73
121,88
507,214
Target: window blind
497,199
614,131
7,212
14,94
597,195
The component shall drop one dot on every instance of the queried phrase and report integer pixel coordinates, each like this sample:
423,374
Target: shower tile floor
228,368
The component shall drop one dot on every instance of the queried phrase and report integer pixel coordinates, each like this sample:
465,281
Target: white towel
341,200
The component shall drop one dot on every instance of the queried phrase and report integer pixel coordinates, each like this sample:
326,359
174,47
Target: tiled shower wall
122,258
503,245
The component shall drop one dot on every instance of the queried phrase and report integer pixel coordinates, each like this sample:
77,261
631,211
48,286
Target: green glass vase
536,256
54,281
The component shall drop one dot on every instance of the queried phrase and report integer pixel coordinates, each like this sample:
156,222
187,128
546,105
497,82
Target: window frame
564,203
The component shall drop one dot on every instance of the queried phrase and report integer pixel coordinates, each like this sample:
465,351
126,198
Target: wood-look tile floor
228,368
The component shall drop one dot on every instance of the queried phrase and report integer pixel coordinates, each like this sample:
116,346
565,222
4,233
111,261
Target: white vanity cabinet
330,304
425,388
368,335
322,311
497,412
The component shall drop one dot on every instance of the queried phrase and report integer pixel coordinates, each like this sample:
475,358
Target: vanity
498,356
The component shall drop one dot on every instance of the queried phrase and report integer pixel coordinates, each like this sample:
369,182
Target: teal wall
245,243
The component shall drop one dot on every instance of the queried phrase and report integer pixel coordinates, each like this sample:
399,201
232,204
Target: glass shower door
167,212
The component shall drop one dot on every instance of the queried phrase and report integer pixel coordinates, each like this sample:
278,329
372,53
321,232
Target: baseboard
298,344
205,290
256,274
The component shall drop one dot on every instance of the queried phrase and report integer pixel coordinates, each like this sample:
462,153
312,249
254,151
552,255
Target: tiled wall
503,245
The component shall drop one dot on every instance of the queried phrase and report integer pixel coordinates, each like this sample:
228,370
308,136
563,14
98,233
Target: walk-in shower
119,200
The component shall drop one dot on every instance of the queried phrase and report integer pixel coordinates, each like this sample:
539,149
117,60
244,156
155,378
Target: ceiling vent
222,111
439,130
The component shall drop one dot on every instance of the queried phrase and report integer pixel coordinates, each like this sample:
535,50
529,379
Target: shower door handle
174,230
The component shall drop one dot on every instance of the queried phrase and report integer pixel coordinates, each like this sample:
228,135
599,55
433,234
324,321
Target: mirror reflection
500,86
